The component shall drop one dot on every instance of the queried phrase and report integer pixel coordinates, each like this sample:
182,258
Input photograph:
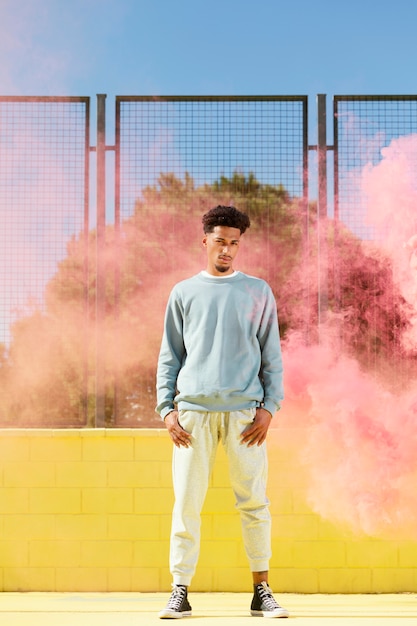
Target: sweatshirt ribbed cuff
165,412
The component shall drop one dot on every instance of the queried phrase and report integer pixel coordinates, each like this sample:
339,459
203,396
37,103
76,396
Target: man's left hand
255,433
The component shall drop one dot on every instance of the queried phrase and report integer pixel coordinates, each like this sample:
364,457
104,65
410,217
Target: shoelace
267,598
177,596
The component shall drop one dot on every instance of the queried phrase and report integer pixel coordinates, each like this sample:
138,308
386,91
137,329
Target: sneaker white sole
276,613
173,614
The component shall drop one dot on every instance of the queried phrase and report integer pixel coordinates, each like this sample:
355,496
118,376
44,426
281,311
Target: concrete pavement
128,609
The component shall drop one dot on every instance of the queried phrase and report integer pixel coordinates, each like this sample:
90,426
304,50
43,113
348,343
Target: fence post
100,269
322,208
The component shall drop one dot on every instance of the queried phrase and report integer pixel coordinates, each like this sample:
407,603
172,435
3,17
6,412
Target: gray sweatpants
192,468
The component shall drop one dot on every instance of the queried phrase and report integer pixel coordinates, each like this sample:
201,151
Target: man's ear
204,241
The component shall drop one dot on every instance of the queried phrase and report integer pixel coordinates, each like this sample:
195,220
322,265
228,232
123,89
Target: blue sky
208,47
198,47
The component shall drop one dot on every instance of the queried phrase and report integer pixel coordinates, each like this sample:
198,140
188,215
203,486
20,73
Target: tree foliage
48,372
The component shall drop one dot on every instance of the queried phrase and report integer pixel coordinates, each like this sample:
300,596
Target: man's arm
272,375
171,356
271,356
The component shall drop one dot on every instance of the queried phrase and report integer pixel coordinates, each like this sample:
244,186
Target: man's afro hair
225,216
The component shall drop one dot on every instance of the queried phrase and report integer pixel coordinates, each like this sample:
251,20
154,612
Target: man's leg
248,468
192,467
260,577
248,475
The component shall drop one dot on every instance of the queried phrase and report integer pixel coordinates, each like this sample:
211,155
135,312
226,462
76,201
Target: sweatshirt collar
207,275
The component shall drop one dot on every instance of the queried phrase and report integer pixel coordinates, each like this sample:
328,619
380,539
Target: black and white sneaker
264,603
178,605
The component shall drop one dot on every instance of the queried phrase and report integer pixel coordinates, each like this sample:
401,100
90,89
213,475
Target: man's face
222,246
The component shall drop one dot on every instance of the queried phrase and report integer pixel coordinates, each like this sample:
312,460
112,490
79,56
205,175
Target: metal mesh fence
176,157
375,148
44,145
363,126
210,137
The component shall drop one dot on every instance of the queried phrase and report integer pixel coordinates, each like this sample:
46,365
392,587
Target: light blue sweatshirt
220,349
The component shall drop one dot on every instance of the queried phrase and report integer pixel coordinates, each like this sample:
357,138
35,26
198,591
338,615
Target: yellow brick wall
89,510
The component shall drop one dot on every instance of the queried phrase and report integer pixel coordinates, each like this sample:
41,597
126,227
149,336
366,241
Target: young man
220,378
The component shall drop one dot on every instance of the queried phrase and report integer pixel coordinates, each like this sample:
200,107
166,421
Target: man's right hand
179,436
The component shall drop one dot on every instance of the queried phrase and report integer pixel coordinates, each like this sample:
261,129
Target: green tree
48,371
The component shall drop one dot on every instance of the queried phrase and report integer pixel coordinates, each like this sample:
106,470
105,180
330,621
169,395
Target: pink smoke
358,442
391,190
357,437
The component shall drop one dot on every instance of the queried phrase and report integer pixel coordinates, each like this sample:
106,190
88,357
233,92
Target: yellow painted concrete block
165,474
81,474
110,500
134,579
327,530
165,525
144,579
82,579
154,448
29,579
280,500
295,526
91,511
54,500
153,501
136,527
107,448
203,579
54,553
407,554
345,580
282,554
241,556
283,446
220,476
134,474
151,554
372,554
28,527
50,447
29,474
304,580
106,553
14,446
165,578
219,500
317,554
14,553
119,578
14,500
227,526
79,527
232,579
394,580
218,553
300,505
207,526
